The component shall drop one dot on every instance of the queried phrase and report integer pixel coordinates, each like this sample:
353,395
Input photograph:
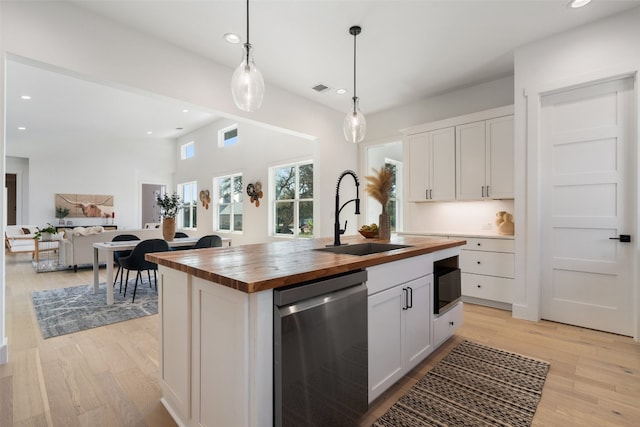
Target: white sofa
77,248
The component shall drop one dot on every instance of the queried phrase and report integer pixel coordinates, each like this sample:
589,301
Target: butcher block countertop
259,267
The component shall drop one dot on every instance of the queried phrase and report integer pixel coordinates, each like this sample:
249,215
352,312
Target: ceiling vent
320,87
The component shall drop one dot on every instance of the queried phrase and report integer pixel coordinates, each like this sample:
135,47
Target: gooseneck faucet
336,225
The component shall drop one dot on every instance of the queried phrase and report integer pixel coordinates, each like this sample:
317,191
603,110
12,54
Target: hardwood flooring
108,376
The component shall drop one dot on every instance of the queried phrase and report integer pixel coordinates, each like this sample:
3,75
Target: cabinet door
499,157
418,153
386,323
442,144
470,161
418,320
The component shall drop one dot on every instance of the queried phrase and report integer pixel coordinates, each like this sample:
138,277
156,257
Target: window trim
223,131
216,213
185,147
192,207
296,201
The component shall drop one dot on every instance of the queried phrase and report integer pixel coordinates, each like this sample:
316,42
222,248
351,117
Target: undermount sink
361,249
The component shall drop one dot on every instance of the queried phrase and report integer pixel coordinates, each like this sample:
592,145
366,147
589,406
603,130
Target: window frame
192,206
184,150
233,204
222,142
297,234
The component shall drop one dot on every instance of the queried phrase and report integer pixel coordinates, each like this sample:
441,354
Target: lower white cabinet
446,324
399,331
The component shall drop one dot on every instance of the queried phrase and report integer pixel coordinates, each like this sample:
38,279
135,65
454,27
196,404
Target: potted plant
45,233
379,187
61,213
170,206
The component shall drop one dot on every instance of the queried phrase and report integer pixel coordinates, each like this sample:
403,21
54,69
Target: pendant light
355,125
247,85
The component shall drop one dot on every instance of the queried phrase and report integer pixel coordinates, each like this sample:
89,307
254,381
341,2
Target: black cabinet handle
483,191
406,299
478,286
487,191
626,238
426,194
410,304
479,244
451,323
478,262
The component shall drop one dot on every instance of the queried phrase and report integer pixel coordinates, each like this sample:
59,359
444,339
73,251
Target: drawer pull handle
451,323
479,244
478,286
478,262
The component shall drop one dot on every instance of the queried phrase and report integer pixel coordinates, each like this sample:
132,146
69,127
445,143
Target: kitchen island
216,319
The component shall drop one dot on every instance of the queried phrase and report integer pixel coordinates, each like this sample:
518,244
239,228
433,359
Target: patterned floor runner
474,385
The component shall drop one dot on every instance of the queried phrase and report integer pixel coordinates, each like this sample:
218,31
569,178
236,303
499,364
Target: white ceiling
407,50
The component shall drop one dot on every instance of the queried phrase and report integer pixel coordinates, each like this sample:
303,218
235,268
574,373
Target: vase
385,225
168,228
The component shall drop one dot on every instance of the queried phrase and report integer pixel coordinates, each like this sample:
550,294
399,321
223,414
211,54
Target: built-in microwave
446,288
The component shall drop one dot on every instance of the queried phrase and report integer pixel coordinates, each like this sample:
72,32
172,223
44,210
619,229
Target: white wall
258,148
607,48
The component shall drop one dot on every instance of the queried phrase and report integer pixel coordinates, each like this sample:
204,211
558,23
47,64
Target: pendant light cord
248,22
354,66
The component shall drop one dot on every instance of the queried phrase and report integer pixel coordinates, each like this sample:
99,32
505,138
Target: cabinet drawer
385,276
446,324
488,287
489,263
493,245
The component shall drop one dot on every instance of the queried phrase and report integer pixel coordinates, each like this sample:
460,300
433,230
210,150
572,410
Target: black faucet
336,225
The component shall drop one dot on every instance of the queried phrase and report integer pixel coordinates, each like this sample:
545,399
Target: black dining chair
121,254
180,234
137,262
209,241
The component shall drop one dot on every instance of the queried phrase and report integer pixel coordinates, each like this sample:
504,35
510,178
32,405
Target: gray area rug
474,385
67,310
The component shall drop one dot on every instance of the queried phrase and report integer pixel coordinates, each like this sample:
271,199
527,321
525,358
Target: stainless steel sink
361,249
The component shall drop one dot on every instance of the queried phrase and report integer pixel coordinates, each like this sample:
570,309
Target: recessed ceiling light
232,38
22,128
185,111
341,91
578,3
25,97
149,132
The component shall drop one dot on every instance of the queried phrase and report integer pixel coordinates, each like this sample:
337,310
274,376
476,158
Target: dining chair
121,254
209,241
138,263
180,234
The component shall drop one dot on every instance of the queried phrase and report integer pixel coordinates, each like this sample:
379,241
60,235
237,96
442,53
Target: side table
46,255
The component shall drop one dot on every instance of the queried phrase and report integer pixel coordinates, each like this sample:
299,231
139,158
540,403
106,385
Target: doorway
587,203
11,183
149,209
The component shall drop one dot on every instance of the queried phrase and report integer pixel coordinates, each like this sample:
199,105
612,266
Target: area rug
67,310
474,385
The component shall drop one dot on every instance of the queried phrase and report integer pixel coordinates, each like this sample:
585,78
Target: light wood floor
108,376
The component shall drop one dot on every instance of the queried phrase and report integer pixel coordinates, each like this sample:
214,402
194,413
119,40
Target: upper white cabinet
469,157
484,159
432,160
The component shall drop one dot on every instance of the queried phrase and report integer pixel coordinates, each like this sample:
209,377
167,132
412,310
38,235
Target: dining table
110,247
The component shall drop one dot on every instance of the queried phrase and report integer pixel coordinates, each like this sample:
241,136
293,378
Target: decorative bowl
368,234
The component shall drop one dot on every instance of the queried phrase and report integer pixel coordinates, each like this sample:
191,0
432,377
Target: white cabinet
432,165
488,270
484,159
446,324
399,321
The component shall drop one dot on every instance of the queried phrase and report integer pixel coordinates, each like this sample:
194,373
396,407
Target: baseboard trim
487,303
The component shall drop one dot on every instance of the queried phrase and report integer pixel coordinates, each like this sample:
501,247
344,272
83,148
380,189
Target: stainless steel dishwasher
320,352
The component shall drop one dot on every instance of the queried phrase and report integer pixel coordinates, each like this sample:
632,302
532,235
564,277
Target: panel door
442,144
386,323
500,158
470,161
418,320
587,198
418,167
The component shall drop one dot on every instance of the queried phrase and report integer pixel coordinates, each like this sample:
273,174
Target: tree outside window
393,207
187,217
230,193
293,199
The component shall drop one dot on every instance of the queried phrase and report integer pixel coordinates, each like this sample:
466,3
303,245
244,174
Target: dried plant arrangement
379,185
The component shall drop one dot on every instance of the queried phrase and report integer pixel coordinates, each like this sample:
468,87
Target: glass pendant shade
247,84
355,125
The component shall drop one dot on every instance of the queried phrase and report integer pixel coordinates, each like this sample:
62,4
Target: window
187,150
228,136
394,206
187,217
229,198
293,199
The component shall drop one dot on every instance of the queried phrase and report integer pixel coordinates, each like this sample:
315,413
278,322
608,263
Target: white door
587,198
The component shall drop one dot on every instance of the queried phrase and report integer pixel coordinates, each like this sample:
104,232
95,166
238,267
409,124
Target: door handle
406,298
625,238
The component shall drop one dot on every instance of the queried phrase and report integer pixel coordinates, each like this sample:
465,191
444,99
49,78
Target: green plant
169,204
48,229
61,212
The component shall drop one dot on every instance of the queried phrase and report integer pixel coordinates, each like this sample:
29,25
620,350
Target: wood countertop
259,267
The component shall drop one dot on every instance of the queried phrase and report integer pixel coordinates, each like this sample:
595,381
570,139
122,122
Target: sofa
77,245
20,239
